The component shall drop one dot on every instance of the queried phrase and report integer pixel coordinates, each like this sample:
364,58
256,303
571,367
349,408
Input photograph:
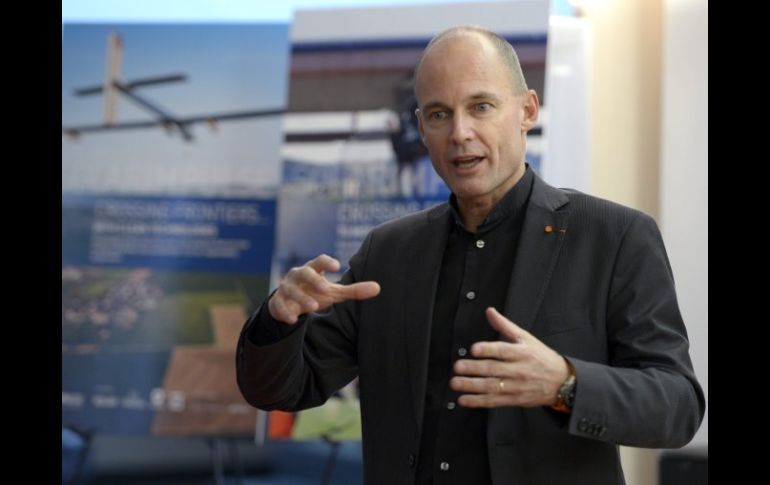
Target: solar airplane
114,86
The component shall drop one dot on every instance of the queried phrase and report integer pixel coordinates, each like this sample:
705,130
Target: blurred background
209,146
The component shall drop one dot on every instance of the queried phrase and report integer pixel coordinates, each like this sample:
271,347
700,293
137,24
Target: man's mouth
466,162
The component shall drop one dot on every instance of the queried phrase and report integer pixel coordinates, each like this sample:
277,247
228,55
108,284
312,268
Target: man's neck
474,210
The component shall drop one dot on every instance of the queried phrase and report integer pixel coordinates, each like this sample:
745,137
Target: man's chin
467,191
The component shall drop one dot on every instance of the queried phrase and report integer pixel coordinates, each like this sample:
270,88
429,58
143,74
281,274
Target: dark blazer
596,287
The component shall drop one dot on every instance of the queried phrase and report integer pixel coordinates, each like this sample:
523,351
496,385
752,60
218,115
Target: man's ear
418,114
531,107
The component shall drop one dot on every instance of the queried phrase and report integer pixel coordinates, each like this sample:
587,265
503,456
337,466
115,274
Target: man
517,334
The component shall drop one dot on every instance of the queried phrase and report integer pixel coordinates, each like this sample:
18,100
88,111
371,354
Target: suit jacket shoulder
596,213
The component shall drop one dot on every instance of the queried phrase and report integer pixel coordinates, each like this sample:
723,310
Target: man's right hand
305,290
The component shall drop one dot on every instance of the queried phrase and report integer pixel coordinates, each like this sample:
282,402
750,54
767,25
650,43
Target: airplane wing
233,115
90,90
168,122
75,130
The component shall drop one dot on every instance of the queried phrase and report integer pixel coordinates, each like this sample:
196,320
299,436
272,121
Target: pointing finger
356,291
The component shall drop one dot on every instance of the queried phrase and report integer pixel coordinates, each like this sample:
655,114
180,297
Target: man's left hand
523,372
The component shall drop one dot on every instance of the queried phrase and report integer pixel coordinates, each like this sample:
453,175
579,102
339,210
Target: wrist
565,395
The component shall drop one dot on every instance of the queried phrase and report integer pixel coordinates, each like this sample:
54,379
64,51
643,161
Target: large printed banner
170,173
191,183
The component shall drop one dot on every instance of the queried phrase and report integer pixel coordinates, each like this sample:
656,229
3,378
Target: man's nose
462,128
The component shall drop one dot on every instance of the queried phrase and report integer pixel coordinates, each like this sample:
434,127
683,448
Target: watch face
567,392
570,397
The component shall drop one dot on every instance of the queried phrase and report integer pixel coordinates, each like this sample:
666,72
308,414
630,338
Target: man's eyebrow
484,95
480,96
432,104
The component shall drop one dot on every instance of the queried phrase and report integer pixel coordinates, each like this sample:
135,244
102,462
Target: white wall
566,117
684,171
648,80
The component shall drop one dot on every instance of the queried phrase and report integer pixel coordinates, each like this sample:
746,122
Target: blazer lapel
426,250
541,239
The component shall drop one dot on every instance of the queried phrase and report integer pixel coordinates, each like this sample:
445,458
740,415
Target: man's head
474,110
503,47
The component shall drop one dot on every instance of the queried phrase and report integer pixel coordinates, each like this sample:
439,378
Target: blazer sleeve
306,367
648,395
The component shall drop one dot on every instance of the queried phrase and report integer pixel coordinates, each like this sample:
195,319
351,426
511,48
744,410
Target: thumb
505,326
357,291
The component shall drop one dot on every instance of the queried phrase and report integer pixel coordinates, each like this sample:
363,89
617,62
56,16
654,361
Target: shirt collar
514,201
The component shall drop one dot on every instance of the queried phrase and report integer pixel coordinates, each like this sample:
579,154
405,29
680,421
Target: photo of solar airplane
114,86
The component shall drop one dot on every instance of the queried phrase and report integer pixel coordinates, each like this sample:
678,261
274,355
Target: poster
170,174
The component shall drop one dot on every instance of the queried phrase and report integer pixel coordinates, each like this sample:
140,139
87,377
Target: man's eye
437,115
483,107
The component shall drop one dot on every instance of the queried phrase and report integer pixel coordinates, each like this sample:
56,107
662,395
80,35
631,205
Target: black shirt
475,274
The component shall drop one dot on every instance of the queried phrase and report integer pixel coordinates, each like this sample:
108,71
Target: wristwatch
565,398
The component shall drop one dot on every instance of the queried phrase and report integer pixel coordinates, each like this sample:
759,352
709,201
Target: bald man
516,334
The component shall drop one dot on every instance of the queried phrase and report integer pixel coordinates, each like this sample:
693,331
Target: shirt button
444,466
462,352
471,295
450,405
480,243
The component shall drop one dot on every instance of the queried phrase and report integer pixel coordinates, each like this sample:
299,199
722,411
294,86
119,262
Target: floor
129,460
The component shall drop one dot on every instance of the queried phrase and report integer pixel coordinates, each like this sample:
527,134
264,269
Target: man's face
472,123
